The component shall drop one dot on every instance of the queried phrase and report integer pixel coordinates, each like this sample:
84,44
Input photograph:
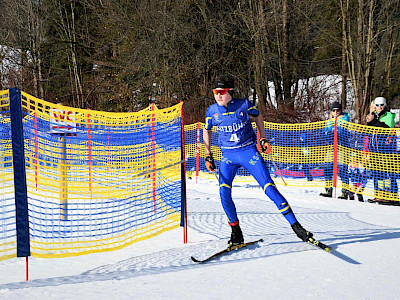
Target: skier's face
222,97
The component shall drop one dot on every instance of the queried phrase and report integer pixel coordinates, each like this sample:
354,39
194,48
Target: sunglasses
377,105
335,109
220,91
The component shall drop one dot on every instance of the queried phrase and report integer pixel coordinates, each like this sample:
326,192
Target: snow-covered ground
365,266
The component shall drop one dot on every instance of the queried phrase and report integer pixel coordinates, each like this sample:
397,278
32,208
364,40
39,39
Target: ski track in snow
333,228
209,233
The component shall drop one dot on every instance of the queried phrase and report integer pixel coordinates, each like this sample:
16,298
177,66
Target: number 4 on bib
234,138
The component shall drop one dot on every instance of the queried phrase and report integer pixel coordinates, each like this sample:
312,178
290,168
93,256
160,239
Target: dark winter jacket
384,143
384,119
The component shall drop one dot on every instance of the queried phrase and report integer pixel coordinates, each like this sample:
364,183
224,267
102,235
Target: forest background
121,55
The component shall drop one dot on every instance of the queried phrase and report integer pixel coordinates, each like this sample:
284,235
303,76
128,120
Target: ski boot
236,236
344,195
375,200
302,234
328,193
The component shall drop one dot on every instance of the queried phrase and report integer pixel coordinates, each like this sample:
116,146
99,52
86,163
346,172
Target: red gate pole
89,153
198,151
36,151
153,143
26,269
335,157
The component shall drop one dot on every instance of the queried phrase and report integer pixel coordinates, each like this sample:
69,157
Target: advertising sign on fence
62,121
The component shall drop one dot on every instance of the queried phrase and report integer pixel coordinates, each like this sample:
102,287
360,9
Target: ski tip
195,259
325,247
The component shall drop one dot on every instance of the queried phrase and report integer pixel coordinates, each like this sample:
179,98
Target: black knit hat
224,81
336,105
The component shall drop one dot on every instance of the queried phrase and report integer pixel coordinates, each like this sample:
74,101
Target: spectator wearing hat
336,113
381,117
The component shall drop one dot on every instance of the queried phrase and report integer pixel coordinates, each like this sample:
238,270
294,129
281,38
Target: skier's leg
254,163
227,171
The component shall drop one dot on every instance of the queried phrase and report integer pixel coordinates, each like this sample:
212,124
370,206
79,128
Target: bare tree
119,55
365,45
344,5
23,33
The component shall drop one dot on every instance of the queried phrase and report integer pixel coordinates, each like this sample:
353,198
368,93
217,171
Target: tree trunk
285,52
345,9
260,81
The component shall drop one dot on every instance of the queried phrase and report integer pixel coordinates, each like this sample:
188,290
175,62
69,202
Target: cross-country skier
237,140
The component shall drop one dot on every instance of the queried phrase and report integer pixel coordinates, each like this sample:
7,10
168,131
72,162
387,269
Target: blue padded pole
183,181
21,195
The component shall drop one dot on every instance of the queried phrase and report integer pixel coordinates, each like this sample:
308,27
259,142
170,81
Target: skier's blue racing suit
237,141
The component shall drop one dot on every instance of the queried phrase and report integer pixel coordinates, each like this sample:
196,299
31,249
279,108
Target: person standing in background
381,117
336,112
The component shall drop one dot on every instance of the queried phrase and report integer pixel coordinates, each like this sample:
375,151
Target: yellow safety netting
8,239
361,160
97,181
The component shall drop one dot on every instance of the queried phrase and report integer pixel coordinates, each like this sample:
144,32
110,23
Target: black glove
301,232
210,163
265,146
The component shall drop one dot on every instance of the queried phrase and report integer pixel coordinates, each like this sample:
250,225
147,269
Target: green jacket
388,119
385,120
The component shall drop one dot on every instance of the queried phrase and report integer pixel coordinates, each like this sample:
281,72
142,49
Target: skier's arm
210,163
264,145
260,126
207,140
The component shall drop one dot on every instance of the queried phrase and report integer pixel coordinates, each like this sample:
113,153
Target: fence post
335,157
20,187
183,178
63,178
153,153
89,137
36,150
197,150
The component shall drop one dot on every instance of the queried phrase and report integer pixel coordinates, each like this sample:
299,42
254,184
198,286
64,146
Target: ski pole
276,167
216,175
